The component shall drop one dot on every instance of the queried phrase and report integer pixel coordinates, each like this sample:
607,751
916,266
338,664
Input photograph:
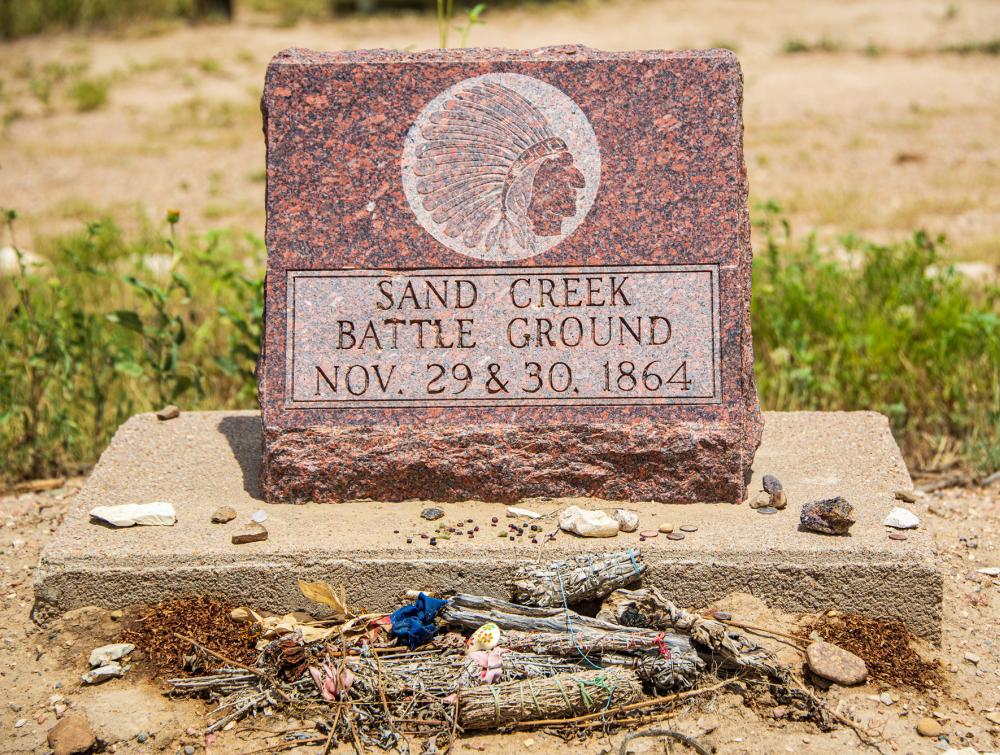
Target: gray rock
830,516
628,521
107,653
431,514
771,483
112,670
835,664
901,519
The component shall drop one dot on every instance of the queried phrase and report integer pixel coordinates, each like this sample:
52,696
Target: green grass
111,324
22,17
89,93
884,334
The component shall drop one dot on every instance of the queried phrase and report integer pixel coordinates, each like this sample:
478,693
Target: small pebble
897,536
424,536
666,528
188,750
141,737
722,615
886,698
767,510
223,514
688,528
431,514
409,540
760,500
675,536
906,495
252,533
928,727
494,520
168,412
434,541
770,483
649,533
972,658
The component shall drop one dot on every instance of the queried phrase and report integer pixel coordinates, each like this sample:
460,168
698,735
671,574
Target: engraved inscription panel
601,335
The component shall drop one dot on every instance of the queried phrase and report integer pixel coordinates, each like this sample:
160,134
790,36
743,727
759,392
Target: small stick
765,630
231,662
286,746
694,744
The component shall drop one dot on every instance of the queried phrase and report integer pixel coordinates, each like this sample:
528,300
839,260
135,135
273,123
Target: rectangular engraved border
478,403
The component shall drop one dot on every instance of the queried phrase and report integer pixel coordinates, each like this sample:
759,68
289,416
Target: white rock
513,512
902,519
107,653
587,523
100,674
990,571
128,514
628,521
259,516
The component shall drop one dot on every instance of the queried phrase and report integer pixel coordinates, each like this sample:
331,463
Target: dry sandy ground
40,666
879,133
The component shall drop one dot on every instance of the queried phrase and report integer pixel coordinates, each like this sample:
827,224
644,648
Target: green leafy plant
445,15
89,93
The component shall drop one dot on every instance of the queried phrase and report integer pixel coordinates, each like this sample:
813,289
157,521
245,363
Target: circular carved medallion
501,167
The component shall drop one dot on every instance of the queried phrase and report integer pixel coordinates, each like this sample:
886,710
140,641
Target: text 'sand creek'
503,336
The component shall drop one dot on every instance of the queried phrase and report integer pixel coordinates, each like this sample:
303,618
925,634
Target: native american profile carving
501,167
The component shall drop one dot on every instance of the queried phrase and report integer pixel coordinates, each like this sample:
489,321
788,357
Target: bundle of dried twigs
648,608
583,577
495,706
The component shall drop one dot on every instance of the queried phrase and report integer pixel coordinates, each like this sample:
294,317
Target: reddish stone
497,274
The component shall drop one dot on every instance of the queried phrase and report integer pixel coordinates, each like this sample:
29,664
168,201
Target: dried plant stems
605,715
583,577
496,706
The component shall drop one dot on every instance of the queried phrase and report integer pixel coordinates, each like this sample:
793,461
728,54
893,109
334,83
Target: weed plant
112,324
892,329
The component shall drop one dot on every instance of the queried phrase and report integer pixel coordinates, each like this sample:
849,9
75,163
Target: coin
767,510
897,536
675,536
688,528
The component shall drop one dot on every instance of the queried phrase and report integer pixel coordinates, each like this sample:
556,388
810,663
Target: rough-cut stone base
629,462
201,461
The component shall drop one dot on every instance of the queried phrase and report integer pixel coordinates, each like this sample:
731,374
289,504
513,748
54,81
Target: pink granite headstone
498,274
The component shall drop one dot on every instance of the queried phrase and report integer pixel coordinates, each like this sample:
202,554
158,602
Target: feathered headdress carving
477,167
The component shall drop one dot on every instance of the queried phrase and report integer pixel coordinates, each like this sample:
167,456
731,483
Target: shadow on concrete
244,437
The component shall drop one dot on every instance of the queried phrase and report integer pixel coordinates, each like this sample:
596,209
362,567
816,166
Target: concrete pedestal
203,460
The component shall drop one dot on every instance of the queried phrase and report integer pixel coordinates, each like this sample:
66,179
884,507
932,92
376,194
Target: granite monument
497,274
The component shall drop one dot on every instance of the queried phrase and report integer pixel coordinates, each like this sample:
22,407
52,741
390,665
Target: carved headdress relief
501,167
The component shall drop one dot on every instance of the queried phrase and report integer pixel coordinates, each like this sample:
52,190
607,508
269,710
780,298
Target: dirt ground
40,666
874,128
